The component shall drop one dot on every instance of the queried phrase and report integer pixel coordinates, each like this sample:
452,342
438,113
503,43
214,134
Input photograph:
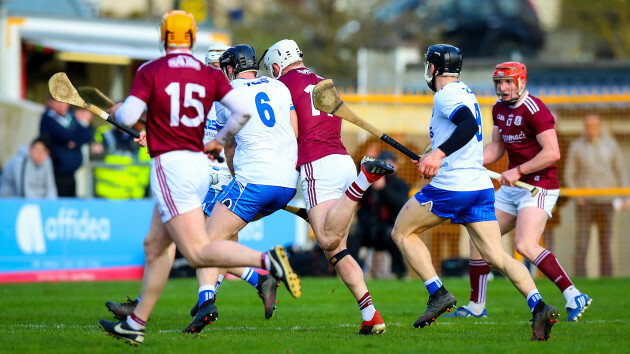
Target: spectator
377,214
29,174
120,176
67,132
595,161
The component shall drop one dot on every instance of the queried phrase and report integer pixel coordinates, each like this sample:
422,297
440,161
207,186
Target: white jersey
266,147
463,170
209,132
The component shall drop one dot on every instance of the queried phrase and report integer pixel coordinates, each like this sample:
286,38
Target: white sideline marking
251,328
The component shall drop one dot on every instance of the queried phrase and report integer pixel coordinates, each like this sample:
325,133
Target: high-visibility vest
124,179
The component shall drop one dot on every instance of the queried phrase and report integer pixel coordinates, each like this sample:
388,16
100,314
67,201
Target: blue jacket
61,132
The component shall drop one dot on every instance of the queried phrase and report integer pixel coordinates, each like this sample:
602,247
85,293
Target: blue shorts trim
460,207
248,200
208,202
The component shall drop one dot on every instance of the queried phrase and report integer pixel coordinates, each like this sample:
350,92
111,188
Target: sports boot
267,288
122,309
374,169
282,271
206,314
440,302
545,316
121,330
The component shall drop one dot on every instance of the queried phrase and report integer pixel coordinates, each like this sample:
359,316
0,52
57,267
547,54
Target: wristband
518,169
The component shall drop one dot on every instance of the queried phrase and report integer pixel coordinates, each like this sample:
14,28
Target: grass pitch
63,317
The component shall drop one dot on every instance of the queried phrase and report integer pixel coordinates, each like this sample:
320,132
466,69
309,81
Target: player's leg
530,225
487,238
413,219
159,255
340,213
322,191
479,270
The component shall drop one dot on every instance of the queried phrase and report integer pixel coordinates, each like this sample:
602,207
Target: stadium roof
105,40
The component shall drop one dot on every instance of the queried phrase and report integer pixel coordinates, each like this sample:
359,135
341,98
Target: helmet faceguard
241,58
510,72
178,30
214,53
447,61
283,54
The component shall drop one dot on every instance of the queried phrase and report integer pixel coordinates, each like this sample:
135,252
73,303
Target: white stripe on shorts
166,193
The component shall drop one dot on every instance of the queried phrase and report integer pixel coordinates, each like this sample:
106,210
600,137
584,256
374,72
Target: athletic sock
533,298
478,272
476,307
206,293
549,265
570,293
138,298
216,288
367,307
250,276
354,192
433,285
135,322
265,262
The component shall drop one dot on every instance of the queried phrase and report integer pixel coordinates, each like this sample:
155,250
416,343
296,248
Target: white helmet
283,53
214,53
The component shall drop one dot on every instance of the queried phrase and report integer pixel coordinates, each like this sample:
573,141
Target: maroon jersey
518,126
319,133
179,91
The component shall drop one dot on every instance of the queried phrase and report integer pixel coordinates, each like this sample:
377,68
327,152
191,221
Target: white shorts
179,182
513,199
326,178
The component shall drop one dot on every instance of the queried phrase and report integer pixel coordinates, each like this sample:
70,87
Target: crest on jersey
518,120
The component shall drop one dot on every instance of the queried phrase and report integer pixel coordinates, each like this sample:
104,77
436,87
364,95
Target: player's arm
495,150
294,122
546,157
466,129
229,150
239,115
130,111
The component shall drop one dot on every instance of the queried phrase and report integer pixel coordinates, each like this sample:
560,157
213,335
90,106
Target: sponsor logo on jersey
227,203
537,178
515,138
305,71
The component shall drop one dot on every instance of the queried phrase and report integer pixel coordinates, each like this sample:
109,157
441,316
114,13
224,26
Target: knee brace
336,258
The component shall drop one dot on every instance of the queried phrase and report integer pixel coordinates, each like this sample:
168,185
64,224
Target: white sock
133,324
216,288
362,181
267,262
476,307
570,293
368,313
